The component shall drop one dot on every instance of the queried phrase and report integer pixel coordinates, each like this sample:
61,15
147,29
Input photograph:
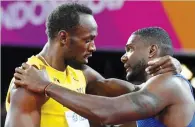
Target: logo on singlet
56,80
75,79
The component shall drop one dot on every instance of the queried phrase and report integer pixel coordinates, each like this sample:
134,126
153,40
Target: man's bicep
134,106
91,77
147,102
24,109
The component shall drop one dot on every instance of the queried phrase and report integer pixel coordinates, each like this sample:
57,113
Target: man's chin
79,61
131,77
85,61
136,78
128,76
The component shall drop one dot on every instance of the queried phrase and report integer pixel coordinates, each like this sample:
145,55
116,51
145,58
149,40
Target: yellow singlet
54,114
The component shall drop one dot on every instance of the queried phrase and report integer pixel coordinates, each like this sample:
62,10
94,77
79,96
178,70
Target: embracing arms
116,110
110,87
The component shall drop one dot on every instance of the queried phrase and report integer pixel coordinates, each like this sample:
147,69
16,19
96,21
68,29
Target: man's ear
153,51
63,35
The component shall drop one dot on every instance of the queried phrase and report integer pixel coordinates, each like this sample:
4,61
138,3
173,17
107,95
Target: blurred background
23,33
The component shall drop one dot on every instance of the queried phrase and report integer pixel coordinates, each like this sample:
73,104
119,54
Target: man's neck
53,57
148,77
139,78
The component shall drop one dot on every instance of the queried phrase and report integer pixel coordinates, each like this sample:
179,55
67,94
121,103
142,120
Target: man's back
181,112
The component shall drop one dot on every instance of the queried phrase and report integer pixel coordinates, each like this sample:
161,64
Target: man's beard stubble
138,74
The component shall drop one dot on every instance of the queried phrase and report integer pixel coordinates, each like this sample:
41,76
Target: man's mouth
88,56
127,67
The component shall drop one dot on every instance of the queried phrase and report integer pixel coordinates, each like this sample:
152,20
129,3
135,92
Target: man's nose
92,47
124,58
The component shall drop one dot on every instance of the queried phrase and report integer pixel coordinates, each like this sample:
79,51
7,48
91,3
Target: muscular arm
116,110
98,85
90,106
111,87
24,109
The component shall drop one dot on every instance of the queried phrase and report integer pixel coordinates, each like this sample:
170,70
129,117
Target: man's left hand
31,78
162,65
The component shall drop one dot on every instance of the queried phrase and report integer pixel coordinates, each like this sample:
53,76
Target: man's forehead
87,26
133,39
87,21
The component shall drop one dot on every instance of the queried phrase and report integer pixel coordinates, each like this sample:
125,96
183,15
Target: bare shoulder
165,81
182,88
91,75
24,99
163,85
169,85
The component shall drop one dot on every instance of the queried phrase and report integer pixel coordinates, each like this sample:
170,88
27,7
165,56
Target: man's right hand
31,78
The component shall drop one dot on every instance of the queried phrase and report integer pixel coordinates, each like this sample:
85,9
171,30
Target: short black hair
65,17
158,36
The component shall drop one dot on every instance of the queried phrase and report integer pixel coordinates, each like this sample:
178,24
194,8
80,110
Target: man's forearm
83,104
111,87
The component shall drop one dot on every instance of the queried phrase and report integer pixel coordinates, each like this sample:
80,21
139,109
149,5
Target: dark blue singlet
152,122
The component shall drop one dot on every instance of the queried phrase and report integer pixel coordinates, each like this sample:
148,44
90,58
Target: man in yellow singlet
71,31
